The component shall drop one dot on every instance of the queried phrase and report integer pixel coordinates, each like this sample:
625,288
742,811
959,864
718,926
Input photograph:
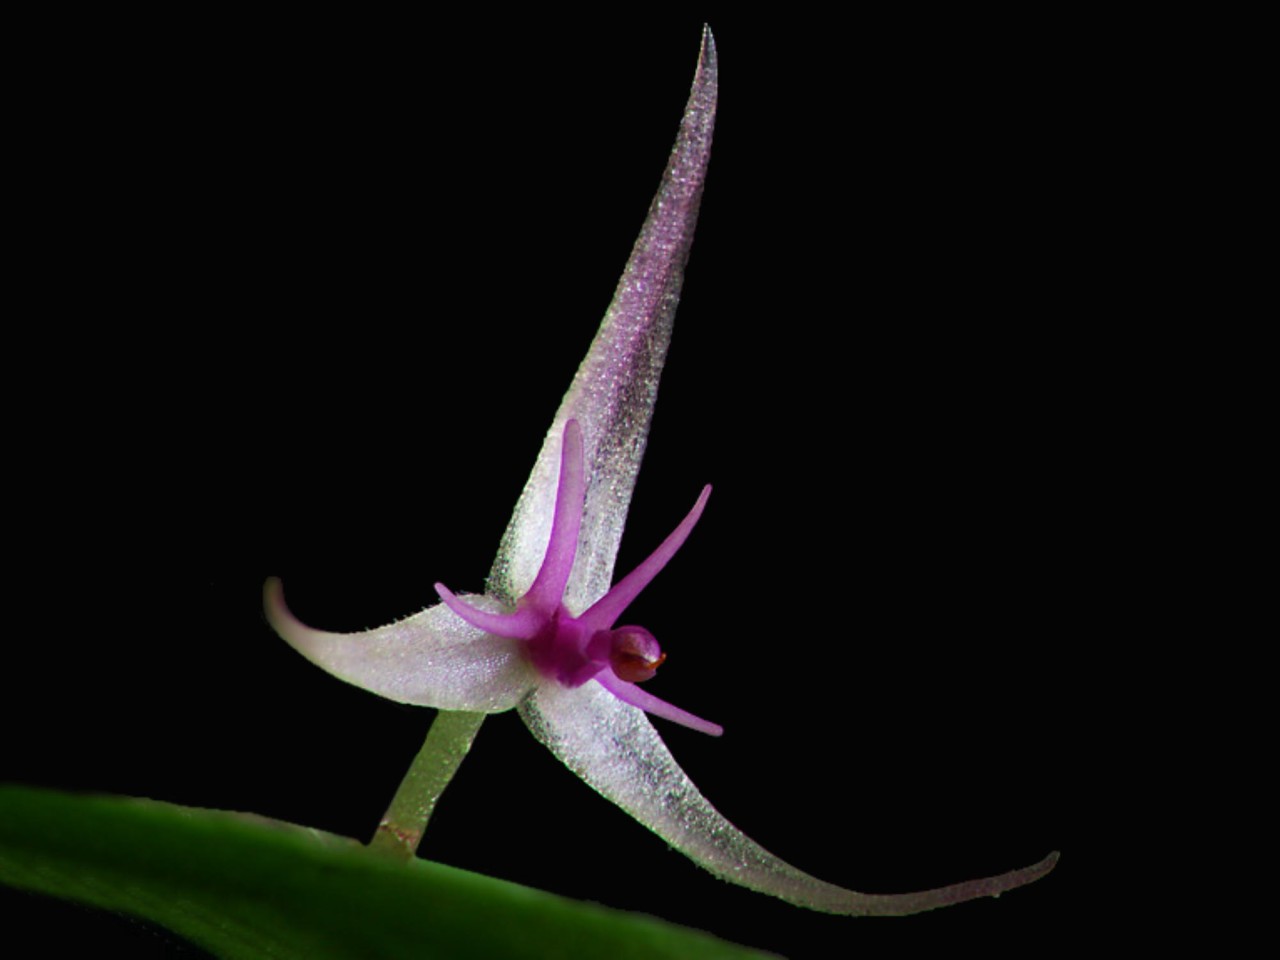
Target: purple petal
431,659
613,747
521,625
613,393
549,585
639,697
604,613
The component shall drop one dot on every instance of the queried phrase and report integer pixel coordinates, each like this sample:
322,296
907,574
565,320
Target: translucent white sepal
431,659
615,748
613,392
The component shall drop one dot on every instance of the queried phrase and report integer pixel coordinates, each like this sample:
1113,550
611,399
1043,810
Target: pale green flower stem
405,821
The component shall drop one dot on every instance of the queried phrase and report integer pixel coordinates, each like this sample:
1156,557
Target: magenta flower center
573,650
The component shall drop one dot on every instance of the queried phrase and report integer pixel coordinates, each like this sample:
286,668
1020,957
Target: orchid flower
542,638
561,648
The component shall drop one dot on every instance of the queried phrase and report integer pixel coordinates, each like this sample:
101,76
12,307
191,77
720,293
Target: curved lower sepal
616,750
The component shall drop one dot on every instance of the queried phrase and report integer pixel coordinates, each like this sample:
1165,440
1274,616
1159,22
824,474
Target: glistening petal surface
613,747
613,392
431,659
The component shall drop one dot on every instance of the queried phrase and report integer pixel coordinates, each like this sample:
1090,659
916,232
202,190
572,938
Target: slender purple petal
615,748
549,585
613,393
521,625
639,697
431,659
604,613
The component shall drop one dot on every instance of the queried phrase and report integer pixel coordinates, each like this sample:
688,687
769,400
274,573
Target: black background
306,297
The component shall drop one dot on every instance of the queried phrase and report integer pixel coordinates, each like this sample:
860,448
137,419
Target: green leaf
246,887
